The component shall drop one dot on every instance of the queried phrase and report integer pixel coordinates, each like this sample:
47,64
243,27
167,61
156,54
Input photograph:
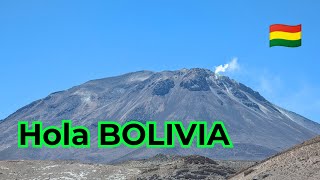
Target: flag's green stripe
283,42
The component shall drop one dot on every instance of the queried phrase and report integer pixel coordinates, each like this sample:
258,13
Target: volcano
257,127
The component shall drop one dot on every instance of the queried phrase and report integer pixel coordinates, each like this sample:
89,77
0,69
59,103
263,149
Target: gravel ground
41,170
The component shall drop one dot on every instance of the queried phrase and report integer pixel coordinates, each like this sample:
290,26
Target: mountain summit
257,127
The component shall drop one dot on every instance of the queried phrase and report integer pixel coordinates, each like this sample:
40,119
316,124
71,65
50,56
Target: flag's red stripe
285,28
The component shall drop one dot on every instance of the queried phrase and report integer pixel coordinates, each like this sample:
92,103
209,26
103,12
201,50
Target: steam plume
231,66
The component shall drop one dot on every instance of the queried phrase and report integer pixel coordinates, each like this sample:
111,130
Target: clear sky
47,46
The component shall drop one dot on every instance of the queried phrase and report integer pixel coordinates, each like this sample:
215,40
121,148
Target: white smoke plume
231,66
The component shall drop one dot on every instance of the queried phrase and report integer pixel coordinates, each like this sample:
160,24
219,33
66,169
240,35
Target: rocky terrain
158,167
185,167
257,127
299,162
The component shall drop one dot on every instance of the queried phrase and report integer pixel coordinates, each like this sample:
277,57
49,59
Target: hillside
300,162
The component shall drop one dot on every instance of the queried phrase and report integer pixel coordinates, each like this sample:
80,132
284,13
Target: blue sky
47,46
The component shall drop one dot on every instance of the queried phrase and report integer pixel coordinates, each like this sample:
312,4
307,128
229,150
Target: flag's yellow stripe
285,35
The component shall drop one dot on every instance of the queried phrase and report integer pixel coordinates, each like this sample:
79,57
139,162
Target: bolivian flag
284,35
